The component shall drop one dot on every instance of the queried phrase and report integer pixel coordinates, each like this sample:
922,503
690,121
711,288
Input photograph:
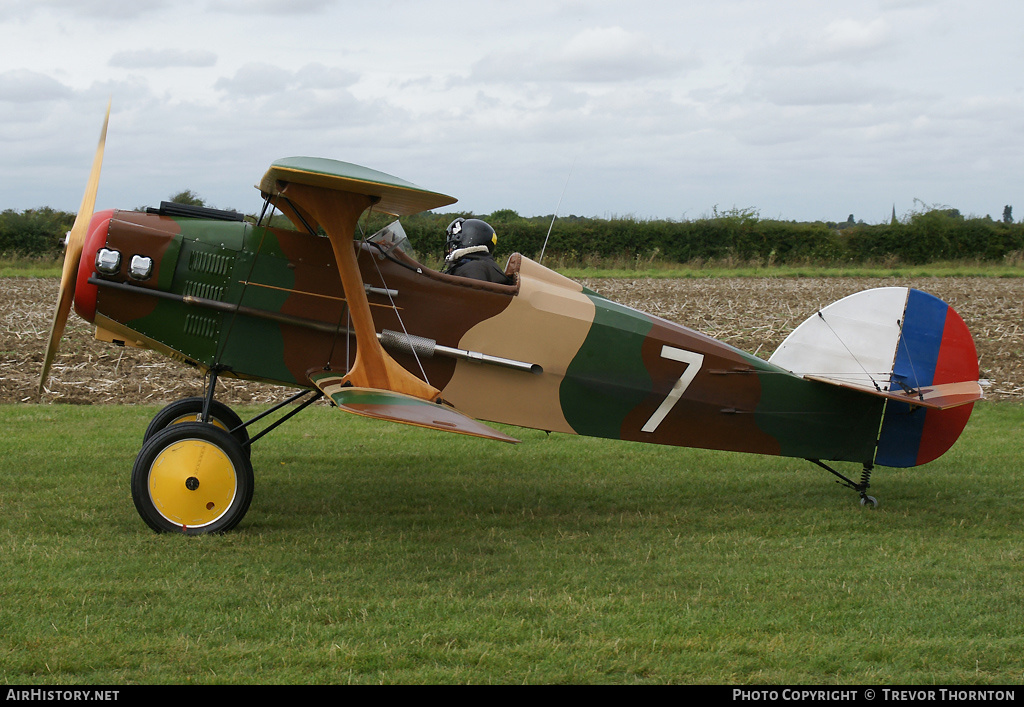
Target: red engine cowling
95,238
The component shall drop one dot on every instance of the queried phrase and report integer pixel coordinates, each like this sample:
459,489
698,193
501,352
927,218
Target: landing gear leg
201,409
861,488
191,410
194,474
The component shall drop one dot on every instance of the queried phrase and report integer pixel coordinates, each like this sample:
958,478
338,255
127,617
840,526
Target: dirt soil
753,314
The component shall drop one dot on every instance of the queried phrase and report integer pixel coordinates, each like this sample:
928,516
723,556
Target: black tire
189,410
192,478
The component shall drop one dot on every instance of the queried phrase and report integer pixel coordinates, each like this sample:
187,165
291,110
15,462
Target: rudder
935,347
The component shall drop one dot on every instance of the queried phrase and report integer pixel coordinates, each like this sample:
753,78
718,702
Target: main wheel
193,478
191,410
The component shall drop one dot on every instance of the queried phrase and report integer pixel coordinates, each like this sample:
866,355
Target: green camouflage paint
812,420
607,378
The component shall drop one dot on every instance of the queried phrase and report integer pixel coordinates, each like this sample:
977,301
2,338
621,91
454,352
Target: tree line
34,232
741,236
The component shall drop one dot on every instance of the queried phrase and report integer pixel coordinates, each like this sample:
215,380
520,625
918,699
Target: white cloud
815,87
120,10
321,77
843,40
595,55
256,79
847,37
793,107
163,59
272,7
261,79
24,86
615,54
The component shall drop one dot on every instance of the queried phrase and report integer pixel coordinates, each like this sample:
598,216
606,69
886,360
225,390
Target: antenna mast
555,215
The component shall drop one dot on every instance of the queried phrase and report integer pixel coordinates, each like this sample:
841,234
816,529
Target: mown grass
13,266
376,552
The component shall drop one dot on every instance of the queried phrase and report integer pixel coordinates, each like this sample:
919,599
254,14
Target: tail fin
901,344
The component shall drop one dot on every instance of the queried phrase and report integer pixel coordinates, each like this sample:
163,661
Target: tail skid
900,344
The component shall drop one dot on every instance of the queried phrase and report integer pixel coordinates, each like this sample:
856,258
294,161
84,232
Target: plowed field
753,314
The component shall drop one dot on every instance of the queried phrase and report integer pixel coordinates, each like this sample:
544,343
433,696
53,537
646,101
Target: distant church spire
894,221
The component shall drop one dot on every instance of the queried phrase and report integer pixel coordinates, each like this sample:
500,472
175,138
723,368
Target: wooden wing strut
338,212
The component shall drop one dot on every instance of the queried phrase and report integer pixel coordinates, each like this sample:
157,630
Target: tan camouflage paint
546,324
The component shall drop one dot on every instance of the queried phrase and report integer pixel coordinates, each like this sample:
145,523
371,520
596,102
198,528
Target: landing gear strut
861,488
191,410
194,474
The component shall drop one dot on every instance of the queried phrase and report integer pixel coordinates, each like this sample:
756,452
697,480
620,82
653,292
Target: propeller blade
72,254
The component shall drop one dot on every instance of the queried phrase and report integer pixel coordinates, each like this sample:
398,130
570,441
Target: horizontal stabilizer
933,397
398,407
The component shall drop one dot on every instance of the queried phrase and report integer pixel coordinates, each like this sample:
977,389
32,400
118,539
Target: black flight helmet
469,232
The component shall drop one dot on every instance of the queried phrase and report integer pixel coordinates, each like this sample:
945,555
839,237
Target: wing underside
398,407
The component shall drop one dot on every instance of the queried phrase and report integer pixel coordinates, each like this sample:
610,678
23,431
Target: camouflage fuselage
268,304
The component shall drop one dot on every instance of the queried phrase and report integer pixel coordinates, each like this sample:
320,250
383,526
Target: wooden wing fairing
334,195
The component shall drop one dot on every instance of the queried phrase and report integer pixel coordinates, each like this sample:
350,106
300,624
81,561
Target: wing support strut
338,213
314,395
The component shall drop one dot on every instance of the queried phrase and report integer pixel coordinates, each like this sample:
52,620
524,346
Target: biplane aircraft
883,377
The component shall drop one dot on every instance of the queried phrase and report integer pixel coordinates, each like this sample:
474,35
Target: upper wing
391,195
333,194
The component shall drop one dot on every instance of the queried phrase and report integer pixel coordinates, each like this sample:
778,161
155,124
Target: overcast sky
798,109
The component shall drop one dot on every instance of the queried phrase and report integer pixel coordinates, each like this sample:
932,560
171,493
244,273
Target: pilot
468,251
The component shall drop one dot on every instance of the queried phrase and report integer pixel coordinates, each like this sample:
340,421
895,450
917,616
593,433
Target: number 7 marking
694,361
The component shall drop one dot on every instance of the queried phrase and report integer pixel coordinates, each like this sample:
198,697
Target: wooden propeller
72,254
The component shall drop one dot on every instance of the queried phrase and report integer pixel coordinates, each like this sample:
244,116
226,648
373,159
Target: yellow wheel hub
192,483
197,417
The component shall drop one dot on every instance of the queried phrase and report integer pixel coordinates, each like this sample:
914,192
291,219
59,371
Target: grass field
30,267
377,553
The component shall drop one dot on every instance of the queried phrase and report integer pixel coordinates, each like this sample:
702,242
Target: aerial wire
852,355
555,215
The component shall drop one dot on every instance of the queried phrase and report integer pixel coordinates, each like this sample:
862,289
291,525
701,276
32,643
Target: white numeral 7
694,361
